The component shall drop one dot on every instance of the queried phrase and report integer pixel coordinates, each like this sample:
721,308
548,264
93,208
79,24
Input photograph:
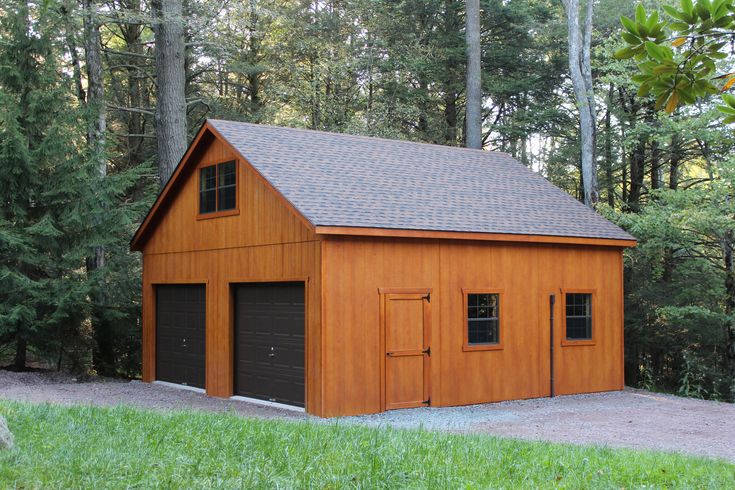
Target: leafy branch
681,59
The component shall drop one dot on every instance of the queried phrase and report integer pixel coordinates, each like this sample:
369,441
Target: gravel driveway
632,418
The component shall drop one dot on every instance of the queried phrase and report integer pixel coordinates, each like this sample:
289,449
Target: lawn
85,447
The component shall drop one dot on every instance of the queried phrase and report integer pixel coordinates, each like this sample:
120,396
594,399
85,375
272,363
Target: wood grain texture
207,148
264,242
357,269
406,336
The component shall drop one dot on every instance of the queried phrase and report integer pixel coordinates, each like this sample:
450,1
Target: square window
578,316
483,326
226,198
218,187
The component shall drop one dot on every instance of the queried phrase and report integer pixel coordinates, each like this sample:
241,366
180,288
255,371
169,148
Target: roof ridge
363,137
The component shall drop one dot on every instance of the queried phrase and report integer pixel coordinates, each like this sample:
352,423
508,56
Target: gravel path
632,418
65,390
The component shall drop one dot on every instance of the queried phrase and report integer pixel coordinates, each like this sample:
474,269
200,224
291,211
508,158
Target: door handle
272,354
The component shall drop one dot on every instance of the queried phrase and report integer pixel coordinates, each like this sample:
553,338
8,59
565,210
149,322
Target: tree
580,69
681,60
43,184
170,115
474,74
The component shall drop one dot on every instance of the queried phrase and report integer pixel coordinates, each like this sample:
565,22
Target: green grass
85,447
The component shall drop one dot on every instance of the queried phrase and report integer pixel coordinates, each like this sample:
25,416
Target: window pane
226,197
482,332
482,319
579,316
226,190
208,201
207,190
208,178
226,173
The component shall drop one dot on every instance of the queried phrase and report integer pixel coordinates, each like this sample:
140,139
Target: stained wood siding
266,241
355,269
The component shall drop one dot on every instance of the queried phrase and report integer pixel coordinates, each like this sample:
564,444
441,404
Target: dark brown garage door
269,342
180,333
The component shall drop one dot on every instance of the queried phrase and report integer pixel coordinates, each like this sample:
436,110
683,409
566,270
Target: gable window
482,320
218,188
578,316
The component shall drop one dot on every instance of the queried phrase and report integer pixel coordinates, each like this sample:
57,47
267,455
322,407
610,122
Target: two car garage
269,325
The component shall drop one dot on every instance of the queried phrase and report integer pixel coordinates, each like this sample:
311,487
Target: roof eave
461,235
139,238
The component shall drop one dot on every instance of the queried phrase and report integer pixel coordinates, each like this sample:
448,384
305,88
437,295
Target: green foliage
55,207
680,57
675,307
88,447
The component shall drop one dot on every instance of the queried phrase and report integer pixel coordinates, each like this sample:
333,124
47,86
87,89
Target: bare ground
632,418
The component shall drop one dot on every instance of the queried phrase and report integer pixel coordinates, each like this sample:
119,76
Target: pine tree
55,210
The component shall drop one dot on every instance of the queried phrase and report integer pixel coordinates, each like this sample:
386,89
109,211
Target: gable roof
340,180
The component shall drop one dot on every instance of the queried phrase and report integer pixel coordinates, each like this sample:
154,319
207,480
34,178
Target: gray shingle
356,181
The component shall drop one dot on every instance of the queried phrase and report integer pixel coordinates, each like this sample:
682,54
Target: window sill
481,347
218,214
574,343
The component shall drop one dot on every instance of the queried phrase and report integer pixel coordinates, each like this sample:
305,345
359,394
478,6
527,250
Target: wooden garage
350,275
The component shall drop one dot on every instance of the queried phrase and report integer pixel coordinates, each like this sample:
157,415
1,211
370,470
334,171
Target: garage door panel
269,341
180,333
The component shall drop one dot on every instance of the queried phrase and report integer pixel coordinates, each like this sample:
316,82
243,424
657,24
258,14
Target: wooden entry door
406,319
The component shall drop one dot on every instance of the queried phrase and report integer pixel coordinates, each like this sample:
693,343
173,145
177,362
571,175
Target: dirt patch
632,418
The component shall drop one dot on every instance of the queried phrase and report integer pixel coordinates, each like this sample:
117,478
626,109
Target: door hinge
427,297
427,351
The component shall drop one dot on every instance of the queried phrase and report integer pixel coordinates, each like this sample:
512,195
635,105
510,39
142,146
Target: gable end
205,137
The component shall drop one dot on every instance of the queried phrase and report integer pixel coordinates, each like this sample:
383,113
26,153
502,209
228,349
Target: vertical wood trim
381,299
149,327
427,345
622,320
323,331
308,364
231,319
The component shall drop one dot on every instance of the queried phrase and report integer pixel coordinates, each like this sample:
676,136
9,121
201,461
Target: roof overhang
460,235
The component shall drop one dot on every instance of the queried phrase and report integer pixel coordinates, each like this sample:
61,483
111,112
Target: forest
99,99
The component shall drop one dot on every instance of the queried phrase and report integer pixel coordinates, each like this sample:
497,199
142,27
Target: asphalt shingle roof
356,181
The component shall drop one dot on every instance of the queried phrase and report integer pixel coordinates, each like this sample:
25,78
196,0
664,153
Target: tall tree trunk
609,184
655,165
21,349
71,45
170,115
674,163
581,74
97,125
473,123
103,352
637,173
